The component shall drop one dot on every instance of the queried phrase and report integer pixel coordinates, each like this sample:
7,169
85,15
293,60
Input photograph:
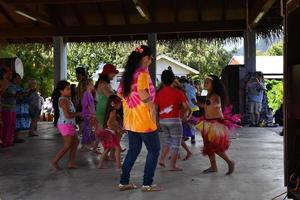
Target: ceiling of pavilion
117,20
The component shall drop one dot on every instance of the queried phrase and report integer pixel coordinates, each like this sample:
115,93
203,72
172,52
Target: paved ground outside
258,153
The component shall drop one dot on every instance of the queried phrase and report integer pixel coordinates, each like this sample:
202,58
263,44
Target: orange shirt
137,117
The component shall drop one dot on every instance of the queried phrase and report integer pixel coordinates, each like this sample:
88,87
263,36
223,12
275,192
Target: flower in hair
139,50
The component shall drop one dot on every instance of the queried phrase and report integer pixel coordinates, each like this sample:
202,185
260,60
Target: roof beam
57,1
176,10
131,29
124,12
142,9
101,13
25,12
200,8
258,8
78,15
7,16
53,13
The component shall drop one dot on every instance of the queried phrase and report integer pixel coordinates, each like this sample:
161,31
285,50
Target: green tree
275,50
209,57
38,63
274,93
90,55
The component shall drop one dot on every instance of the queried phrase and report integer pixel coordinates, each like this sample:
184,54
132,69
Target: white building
162,63
270,66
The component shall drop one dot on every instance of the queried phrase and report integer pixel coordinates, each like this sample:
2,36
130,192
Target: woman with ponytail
138,92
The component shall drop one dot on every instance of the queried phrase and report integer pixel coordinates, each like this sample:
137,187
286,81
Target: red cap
109,69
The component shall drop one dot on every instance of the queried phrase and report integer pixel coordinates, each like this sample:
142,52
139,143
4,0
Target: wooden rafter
176,10
124,12
78,15
224,9
102,14
7,16
200,8
24,11
258,8
53,14
142,9
233,25
57,1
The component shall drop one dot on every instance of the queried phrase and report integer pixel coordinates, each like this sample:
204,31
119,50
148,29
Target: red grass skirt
215,136
108,138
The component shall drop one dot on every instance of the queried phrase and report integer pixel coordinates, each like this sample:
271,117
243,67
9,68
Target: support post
60,59
152,40
250,50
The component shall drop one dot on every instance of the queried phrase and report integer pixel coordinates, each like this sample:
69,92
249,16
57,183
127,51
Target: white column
60,59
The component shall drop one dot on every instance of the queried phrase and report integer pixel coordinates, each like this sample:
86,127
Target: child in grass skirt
215,126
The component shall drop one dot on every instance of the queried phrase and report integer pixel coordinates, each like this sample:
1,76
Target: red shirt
169,101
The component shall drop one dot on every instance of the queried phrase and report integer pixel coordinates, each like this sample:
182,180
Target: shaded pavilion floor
258,153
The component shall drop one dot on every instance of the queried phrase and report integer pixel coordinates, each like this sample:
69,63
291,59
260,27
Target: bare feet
231,167
72,166
210,170
54,166
123,150
162,164
176,169
100,166
188,155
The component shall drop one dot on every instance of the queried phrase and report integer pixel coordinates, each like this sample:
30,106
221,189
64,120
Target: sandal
151,188
127,187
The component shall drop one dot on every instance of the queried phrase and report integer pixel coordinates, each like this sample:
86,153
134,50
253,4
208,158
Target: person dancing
213,128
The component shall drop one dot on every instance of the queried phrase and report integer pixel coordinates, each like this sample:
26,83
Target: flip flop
127,187
151,188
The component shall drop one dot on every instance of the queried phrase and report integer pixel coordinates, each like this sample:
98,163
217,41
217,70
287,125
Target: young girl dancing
110,136
66,124
88,111
214,128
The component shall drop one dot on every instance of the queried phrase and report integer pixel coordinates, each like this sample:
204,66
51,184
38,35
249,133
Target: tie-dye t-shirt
137,116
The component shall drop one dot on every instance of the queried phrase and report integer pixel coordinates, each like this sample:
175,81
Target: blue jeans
152,143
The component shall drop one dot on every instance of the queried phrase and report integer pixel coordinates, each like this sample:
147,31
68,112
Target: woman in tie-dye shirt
137,92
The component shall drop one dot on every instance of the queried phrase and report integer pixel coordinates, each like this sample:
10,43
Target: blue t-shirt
255,92
191,95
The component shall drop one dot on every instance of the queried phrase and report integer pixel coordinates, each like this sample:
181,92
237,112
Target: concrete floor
25,174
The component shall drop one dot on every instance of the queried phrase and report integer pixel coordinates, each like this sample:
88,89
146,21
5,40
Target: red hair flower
139,50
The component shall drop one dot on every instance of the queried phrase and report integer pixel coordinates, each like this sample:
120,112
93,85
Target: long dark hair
103,78
112,99
61,85
219,89
133,63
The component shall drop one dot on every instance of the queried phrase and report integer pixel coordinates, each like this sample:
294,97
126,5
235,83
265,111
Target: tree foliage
275,50
38,63
274,93
206,56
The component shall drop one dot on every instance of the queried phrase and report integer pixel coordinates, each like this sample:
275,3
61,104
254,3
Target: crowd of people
20,108
162,119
